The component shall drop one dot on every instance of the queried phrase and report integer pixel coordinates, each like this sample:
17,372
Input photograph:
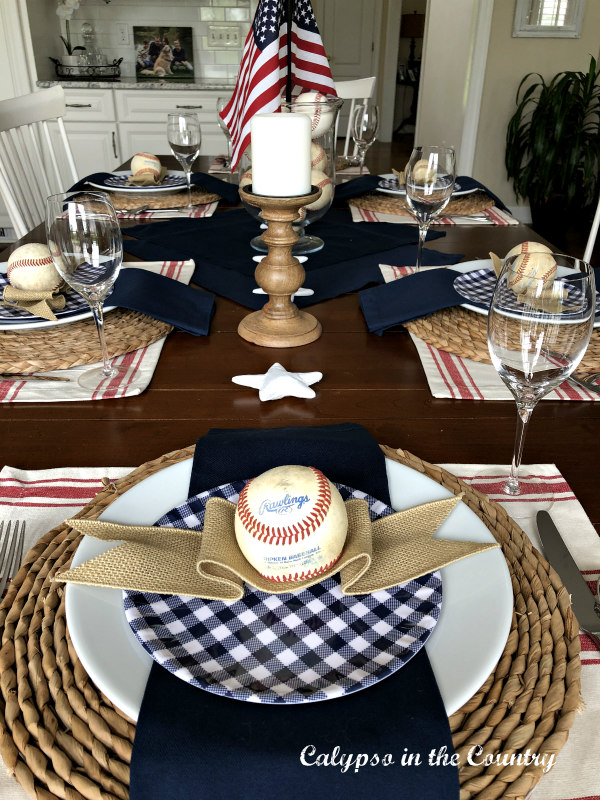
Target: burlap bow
147,178
40,304
209,564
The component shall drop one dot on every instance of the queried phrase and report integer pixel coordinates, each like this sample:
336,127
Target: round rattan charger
474,203
61,738
76,343
464,333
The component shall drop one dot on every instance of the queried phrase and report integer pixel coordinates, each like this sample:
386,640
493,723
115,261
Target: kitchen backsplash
213,22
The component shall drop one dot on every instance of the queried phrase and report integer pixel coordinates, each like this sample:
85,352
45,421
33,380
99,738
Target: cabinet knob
188,106
78,105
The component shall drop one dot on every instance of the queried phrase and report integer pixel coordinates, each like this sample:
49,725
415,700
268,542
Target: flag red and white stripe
263,68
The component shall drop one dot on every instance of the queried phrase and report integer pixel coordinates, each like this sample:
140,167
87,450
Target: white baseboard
522,213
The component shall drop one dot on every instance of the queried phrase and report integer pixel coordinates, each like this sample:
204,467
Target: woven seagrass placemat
61,738
473,203
464,333
127,202
77,343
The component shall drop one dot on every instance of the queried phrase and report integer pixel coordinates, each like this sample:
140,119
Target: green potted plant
553,147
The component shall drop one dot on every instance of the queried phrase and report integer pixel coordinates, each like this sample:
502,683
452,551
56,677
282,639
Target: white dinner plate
486,263
174,181
389,177
463,648
19,321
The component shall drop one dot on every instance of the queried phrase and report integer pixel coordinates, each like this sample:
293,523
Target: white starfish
277,382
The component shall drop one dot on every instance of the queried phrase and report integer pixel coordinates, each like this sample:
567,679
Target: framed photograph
163,54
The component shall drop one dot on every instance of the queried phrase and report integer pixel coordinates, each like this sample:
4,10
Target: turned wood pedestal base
279,323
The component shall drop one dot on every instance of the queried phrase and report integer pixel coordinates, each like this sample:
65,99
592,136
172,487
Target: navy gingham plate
298,647
173,181
478,287
390,184
74,304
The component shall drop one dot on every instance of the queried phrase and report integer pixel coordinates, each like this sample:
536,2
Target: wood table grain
375,380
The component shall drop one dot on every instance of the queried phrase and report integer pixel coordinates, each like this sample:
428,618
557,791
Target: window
548,18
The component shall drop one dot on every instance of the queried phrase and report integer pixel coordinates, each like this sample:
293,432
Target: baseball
143,163
318,178
291,523
527,247
321,116
528,269
422,172
30,267
246,178
318,157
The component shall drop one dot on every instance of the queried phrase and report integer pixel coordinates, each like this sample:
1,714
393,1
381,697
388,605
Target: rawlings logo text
284,506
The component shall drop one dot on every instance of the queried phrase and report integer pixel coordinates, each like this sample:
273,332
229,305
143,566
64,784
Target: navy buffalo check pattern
297,647
74,304
478,287
119,182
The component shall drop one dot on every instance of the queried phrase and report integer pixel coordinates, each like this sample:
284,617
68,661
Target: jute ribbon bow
209,564
147,178
40,304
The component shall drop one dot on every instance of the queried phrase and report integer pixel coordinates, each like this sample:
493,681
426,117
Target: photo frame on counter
164,53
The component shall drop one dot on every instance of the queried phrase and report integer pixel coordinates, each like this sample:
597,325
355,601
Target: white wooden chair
31,157
361,90
589,248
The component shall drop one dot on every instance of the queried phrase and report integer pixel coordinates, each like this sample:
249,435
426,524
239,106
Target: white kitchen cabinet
91,125
142,119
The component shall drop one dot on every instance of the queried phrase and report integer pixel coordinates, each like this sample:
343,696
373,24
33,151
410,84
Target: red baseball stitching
35,262
301,576
293,533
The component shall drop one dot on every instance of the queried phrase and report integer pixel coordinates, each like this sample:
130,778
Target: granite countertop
126,82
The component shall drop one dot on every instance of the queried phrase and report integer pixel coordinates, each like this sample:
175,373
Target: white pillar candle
280,154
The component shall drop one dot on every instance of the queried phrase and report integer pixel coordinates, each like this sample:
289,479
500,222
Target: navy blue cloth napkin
410,298
220,247
356,186
195,745
163,298
228,191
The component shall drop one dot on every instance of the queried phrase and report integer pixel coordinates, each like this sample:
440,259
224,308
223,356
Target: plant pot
70,61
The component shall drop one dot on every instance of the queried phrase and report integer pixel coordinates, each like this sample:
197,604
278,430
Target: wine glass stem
512,485
98,313
188,177
362,152
229,152
423,228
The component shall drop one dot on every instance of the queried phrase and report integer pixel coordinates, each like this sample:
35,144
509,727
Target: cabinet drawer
89,105
153,106
152,138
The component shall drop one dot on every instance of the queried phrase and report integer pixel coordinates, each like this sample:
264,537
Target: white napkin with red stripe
45,498
457,378
491,216
204,210
143,361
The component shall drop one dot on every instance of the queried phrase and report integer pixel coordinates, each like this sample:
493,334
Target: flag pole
288,83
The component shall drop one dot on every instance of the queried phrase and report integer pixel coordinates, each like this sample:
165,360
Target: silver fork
11,551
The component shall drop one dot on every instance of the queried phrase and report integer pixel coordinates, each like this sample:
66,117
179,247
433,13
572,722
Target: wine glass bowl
539,325
365,124
185,138
86,247
429,179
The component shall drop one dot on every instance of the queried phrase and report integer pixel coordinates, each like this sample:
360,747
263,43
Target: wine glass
86,246
429,178
221,103
365,123
539,325
185,138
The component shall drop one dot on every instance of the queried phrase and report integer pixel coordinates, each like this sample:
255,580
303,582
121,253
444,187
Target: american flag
263,69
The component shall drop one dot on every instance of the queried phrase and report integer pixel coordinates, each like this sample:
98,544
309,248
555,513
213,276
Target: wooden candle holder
279,323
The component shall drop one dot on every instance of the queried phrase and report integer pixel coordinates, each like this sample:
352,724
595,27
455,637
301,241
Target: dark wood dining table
374,380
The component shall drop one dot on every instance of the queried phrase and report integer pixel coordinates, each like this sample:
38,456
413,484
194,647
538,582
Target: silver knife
556,551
